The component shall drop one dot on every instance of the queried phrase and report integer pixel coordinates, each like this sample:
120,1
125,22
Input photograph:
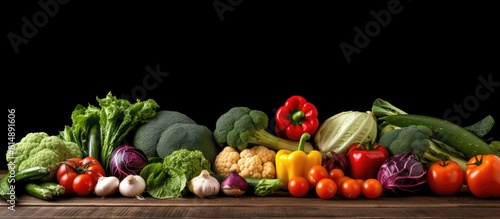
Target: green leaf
482,127
163,182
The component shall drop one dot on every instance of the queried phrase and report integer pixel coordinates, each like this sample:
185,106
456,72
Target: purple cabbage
402,174
127,160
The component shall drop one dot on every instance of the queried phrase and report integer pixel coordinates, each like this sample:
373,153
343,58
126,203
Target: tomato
445,178
66,180
335,174
95,170
339,183
75,161
326,188
351,188
64,169
482,176
360,181
371,188
89,160
298,186
79,175
83,184
316,173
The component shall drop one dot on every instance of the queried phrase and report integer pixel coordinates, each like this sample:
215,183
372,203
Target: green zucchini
55,188
32,173
5,190
38,191
449,133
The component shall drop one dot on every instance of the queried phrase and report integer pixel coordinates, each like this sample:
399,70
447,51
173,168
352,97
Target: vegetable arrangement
135,150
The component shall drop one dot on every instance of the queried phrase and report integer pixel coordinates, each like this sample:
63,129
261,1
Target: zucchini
55,188
38,191
5,191
445,131
32,173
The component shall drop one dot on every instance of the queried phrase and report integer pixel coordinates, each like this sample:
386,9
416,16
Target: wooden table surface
462,205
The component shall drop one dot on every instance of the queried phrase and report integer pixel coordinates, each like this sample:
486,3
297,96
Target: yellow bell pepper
296,163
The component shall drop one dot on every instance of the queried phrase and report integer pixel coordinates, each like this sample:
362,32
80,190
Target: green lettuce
163,182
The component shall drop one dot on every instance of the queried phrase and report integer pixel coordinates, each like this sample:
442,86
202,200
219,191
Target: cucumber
55,188
443,130
94,143
38,191
32,173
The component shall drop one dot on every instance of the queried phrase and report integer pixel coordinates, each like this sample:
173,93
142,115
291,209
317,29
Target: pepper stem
303,138
297,117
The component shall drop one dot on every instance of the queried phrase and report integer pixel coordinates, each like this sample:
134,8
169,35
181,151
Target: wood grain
281,205
462,205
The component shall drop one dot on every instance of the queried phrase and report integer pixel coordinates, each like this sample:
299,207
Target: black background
427,58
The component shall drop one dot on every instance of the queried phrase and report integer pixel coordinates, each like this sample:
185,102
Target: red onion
334,160
234,184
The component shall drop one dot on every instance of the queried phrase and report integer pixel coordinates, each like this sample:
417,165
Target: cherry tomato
371,188
360,181
326,188
335,173
445,178
339,183
351,188
83,184
298,186
316,173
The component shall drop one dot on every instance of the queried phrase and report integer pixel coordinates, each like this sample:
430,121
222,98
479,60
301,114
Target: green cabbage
344,129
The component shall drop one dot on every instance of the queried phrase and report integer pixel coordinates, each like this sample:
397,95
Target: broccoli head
241,126
418,139
41,149
169,131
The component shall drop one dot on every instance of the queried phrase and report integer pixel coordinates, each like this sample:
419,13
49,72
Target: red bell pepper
366,159
296,117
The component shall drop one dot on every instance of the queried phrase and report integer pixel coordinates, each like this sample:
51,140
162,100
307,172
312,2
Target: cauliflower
40,149
226,160
255,162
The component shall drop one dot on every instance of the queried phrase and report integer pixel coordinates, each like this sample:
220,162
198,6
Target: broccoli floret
241,126
40,149
419,140
169,131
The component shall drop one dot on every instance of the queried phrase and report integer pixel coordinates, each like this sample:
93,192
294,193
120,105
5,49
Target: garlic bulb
204,185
